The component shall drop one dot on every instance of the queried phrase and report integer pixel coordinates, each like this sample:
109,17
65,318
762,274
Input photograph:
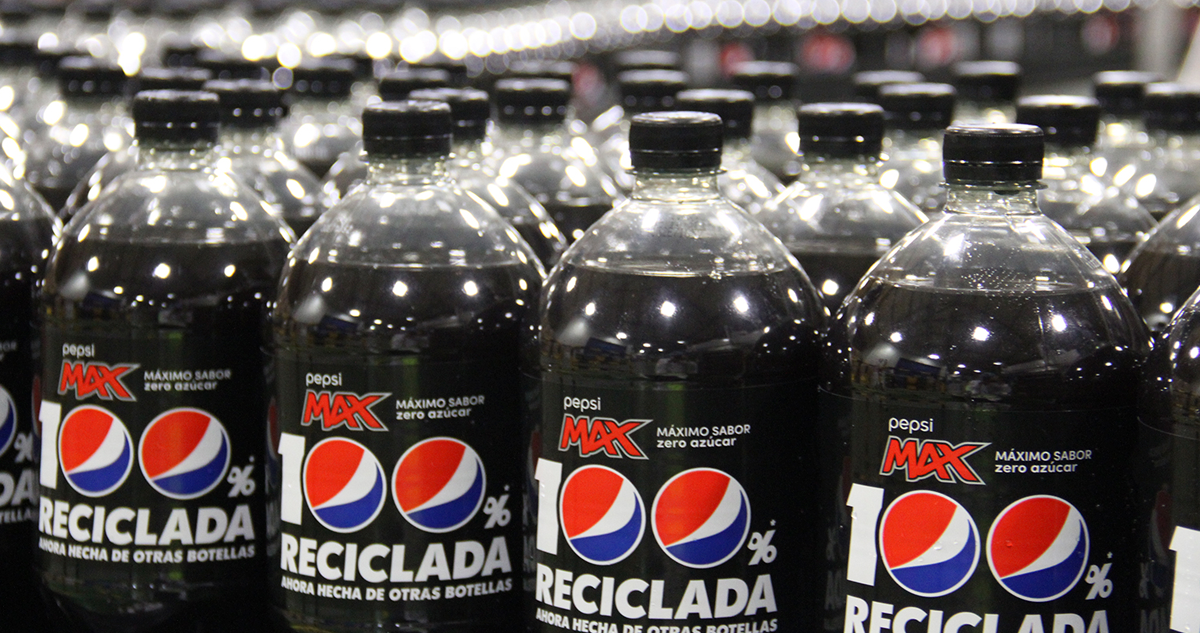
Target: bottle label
18,466
663,508
977,520
151,455
399,488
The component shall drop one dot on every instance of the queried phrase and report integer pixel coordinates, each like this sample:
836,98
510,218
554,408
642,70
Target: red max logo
601,434
95,379
341,408
931,458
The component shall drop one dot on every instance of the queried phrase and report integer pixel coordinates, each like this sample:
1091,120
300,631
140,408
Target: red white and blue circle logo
701,517
184,453
602,515
343,484
95,451
438,484
1038,548
929,542
8,419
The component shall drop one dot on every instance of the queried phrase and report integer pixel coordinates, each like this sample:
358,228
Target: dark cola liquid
1158,284
573,218
547,249
834,275
118,292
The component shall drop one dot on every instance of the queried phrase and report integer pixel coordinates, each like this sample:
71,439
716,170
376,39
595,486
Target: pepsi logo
701,517
929,542
184,453
602,515
1038,548
95,451
8,420
343,484
438,484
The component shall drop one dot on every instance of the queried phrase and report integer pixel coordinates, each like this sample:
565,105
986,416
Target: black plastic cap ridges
769,81
170,79
735,107
992,153
841,130
868,82
646,60
531,100
177,116
542,68
650,90
227,66
679,140
469,108
919,106
1172,108
87,77
248,103
17,50
1066,121
1120,92
407,128
323,79
397,84
987,81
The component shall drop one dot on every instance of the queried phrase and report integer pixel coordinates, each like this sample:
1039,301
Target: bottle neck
531,134
914,142
1066,163
994,199
859,170
736,150
253,140
157,155
676,186
406,170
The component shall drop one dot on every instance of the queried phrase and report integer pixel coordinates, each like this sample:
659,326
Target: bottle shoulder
866,212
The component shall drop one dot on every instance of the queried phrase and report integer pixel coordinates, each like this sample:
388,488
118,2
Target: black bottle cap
227,66
470,109
407,128
679,140
17,50
992,153
1172,108
247,103
176,116
868,82
531,100
987,81
650,90
170,79
646,60
323,79
919,106
543,69
735,107
180,53
769,81
841,130
396,85
86,77
1120,92
1066,121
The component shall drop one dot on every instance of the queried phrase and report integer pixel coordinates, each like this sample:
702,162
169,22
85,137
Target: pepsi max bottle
153,394
978,409
396,350
672,366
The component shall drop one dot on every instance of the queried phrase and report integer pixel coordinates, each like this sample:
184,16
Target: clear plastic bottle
915,116
742,180
321,123
411,293
533,147
993,334
676,315
641,91
1109,221
88,122
1165,178
162,286
1122,138
22,92
868,82
1163,271
987,91
250,149
224,65
775,145
837,219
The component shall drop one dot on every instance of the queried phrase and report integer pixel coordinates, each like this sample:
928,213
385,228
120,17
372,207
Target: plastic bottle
321,123
915,115
641,91
1122,137
1165,178
1164,270
987,91
775,143
868,82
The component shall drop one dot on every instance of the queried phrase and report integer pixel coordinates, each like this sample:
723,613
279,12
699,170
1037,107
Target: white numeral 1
50,416
291,454
1185,595
865,503
549,477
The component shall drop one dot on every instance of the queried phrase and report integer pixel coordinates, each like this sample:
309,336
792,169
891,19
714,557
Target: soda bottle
153,391
224,65
641,91
978,409
837,219
1165,176
867,83
321,121
775,141
671,367
1163,271
915,115
987,91
1109,221
28,230
396,351
742,180
1122,137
